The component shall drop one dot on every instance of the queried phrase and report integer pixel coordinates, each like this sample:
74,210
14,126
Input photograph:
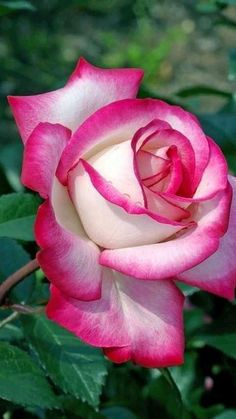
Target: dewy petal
134,320
110,218
115,164
217,274
165,260
41,156
88,89
120,120
68,258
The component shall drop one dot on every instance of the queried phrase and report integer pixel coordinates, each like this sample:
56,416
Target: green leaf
13,6
220,334
225,343
206,6
166,393
221,127
193,321
184,377
227,2
10,332
11,161
202,90
17,215
118,412
227,414
13,257
22,381
207,412
166,373
77,409
187,290
232,64
77,368
226,21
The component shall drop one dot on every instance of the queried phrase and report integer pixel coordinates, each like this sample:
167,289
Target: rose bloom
137,197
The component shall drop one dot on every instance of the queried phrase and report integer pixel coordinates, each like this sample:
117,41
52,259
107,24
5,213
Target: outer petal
215,176
41,156
68,258
119,121
134,320
110,218
217,274
88,89
165,260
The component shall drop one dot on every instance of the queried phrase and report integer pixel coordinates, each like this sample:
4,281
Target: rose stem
8,319
17,277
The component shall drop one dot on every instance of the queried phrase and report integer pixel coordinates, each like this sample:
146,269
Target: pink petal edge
88,89
132,320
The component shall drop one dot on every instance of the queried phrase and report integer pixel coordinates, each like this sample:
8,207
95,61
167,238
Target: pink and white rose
136,198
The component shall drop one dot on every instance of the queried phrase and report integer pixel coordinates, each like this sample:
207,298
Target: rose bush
136,197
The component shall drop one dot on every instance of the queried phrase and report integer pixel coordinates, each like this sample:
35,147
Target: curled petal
215,176
170,258
119,121
150,165
172,139
110,218
41,156
214,180
172,182
157,204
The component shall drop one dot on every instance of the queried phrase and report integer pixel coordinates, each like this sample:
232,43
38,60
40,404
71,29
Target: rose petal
68,258
217,274
215,176
88,89
110,218
115,164
134,320
174,139
213,181
41,156
150,165
120,120
164,260
160,205
171,183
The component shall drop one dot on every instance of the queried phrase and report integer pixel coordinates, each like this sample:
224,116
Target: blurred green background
188,51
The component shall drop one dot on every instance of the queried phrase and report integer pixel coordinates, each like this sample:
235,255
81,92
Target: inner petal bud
115,164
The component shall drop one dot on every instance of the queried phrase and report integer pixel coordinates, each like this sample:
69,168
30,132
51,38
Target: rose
136,197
